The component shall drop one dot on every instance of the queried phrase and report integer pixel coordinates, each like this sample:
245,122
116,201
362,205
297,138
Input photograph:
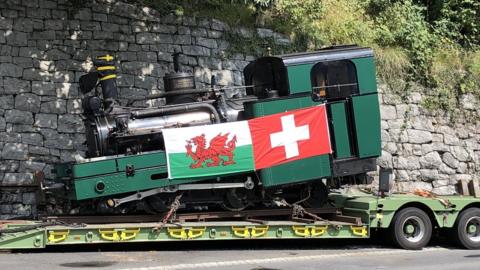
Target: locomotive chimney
106,74
179,82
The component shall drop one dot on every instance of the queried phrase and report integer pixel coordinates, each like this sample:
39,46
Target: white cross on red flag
289,136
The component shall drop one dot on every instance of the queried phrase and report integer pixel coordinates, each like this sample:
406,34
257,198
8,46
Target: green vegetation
432,42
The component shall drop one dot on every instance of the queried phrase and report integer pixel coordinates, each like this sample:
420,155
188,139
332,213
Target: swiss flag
289,136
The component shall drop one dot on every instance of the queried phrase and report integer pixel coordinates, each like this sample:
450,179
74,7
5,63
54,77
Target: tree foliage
434,42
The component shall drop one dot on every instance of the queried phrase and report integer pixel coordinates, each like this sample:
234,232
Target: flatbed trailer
409,219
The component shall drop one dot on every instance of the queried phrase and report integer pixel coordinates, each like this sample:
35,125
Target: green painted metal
366,75
118,164
272,106
30,239
366,111
299,78
150,172
295,171
379,212
340,130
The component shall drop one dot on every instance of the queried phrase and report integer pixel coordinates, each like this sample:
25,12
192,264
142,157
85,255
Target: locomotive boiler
125,169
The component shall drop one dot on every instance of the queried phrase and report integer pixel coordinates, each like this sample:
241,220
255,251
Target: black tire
411,228
466,231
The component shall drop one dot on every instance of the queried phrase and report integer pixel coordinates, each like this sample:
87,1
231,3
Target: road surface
243,255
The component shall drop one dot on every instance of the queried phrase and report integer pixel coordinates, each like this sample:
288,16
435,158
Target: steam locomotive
125,169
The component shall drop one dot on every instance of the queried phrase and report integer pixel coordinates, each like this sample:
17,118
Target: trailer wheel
467,229
411,228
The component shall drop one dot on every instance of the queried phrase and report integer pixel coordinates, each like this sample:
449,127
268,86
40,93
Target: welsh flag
244,146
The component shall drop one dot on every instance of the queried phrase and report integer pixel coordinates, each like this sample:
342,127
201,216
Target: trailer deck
352,217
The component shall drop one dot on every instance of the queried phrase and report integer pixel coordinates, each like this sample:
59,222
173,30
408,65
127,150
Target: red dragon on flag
218,146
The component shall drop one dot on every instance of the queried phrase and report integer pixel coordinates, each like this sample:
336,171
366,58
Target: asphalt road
248,255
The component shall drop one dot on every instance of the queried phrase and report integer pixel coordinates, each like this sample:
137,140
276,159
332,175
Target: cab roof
326,54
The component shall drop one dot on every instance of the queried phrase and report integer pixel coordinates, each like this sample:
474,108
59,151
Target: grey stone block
9,165
10,70
6,208
3,124
460,153
84,14
16,151
32,139
18,117
388,112
450,160
146,82
22,210
207,42
70,123
182,39
163,28
199,32
153,38
219,25
43,88
419,136
6,24
38,150
46,120
66,90
29,198
58,106
6,102
15,86
23,24
59,141
147,56
27,102
406,163
431,160
17,39
74,106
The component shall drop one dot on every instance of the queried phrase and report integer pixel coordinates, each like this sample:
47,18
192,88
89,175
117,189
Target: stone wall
429,150
46,45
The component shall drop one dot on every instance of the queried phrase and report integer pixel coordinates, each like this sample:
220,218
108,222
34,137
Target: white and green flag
242,146
208,150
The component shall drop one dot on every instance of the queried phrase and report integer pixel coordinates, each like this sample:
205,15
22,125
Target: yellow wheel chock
359,231
57,236
250,231
309,231
110,235
129,234
116,235
186,233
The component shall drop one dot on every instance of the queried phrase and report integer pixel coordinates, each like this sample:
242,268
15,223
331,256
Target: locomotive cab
344,79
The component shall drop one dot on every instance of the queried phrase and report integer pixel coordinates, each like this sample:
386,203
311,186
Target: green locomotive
127,167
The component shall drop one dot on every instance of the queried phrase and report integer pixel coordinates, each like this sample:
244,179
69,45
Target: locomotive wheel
318,195
411,228
466,231
235,199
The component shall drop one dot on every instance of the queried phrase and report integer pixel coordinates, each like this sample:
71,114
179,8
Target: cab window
334,79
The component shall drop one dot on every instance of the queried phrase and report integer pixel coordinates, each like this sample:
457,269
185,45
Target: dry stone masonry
45,46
